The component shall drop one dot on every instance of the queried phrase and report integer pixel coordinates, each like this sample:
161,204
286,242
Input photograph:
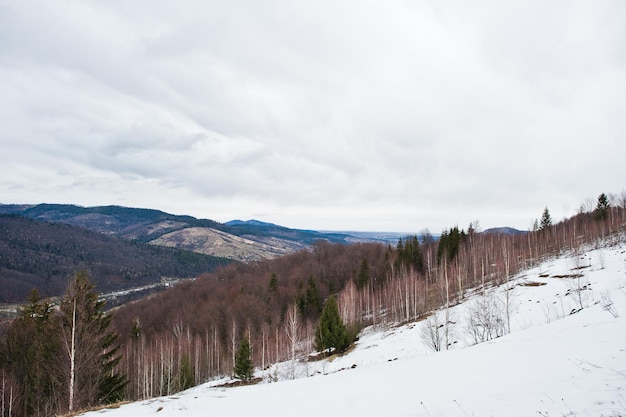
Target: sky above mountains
348,115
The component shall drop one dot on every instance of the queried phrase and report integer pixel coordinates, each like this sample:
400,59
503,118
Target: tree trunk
72,358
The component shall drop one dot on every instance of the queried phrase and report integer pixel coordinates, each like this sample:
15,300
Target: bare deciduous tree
432,331
485,319
292,329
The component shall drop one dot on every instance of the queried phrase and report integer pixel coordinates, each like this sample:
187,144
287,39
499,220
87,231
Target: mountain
43,255
558,360
504,231
239,240
251,222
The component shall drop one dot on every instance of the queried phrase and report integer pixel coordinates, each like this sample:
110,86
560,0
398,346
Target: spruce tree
31,355
243,362
309,303
449,243
409,254
273,286
331,333
602,208
546,220
364,275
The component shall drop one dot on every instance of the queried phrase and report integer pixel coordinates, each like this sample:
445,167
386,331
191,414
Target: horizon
339,230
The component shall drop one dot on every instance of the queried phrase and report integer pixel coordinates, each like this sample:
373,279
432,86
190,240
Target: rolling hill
43,255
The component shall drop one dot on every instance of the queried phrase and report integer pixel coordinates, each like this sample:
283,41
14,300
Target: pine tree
243,362
409,254
31,351
309,303
449,243
273,285
602,208
331,333
546,220
364,275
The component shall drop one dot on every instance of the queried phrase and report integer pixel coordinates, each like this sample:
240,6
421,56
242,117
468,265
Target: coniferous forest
60,358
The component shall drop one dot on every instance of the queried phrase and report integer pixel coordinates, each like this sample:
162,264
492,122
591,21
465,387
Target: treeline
36,254
271,309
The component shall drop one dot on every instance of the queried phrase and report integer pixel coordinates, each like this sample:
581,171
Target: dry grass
567,276
532,284
240,383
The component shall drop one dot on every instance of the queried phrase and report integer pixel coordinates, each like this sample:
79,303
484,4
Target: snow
553,363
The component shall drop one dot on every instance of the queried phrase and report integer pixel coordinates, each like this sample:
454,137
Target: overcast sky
329,115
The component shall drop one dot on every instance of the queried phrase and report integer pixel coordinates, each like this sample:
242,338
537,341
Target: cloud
351,115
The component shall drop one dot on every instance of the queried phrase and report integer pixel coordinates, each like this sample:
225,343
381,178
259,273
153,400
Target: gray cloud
351,115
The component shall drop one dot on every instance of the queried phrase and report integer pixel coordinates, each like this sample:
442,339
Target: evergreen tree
546,220
31,355
409,254
309,303
602,208
364,275
331,332
243,362
414,254
449,243
90,347
273,283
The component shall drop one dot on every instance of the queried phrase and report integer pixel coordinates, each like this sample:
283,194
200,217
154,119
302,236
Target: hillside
226,245
557,360
238,240
43,255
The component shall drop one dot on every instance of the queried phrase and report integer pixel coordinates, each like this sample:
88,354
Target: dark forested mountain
240,240
43,255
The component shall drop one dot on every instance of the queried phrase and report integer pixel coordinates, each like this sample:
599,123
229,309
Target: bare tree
71,350
485,318
292,329
432,332
233,342
578,284
508,287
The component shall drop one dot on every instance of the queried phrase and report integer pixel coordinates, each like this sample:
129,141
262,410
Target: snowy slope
551,364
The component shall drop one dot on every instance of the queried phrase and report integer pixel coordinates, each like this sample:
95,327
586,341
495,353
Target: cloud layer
363,115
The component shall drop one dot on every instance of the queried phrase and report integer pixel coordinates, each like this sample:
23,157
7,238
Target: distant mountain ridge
239,240
251,222
504,230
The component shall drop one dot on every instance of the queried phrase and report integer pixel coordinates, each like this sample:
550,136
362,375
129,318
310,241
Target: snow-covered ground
553,363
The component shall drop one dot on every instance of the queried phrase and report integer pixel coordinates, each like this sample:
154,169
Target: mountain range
42,245
239,240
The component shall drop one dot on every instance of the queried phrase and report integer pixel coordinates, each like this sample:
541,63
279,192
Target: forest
274,310
42,255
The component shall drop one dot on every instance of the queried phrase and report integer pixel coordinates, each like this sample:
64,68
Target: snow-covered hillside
553,363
